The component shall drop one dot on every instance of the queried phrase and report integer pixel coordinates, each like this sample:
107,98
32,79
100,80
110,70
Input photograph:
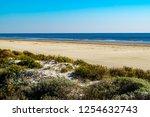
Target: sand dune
111,55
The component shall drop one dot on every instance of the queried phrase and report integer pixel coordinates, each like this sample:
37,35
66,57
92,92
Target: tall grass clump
27,53
91,72
129,72
80,62
62,59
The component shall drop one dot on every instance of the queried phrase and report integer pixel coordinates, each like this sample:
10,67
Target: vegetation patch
59,88
24,75
80,62
29,62
67,68
118,88
129,72
91,72
6,53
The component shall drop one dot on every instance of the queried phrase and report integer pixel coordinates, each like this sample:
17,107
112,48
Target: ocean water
138,38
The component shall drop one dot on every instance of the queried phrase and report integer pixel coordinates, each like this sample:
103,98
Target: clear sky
59,16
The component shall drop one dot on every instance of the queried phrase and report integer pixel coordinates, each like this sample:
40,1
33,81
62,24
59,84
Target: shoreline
80,42
106,54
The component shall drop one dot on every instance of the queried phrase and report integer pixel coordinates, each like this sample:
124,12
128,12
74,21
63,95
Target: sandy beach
111,55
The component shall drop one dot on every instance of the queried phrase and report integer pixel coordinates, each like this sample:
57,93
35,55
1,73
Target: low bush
118,88
56,87
41,57
29,62
80,62
140,73
117,72
27,53
17,53
62,59
11,72
6,53
12,91
129,72
4,62
91,72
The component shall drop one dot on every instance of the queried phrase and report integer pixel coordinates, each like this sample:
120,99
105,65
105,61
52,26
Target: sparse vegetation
102,83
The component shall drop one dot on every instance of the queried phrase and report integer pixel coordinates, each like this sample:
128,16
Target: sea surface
137,38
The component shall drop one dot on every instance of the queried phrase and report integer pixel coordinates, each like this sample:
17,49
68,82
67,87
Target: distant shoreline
79,42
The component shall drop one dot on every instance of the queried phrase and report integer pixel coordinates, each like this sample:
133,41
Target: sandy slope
112,55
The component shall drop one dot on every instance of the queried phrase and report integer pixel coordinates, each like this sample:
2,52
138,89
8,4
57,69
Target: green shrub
147,75
30,63
140,73
118,88
41,57
6,53
11,91
103,90
62,59
91,72
27,53
129,72
128,85
11,72
80,62
4,62
17,53
114,72
55,87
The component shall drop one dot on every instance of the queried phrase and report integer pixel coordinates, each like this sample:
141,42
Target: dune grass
112,83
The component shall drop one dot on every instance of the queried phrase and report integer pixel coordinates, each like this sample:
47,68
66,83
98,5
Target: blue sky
56,16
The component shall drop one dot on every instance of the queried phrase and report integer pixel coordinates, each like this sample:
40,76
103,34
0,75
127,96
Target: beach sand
111,55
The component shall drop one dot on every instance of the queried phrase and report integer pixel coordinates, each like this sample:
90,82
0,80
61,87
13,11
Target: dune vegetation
28,76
